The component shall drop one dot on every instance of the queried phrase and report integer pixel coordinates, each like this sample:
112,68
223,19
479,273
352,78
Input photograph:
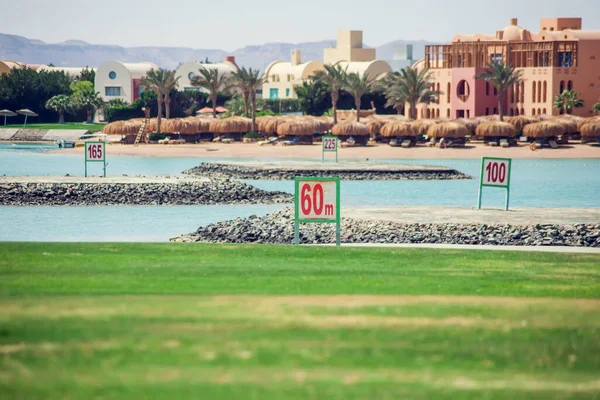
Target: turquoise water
534,183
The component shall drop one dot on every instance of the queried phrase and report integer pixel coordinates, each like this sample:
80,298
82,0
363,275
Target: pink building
560,56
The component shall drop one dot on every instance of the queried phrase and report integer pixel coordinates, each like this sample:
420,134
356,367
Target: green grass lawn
189,321
68,125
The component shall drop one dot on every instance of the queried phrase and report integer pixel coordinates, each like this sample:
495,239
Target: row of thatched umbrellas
387,126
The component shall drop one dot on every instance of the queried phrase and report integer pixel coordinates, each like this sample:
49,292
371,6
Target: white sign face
495,172
94,151
317,200
330,144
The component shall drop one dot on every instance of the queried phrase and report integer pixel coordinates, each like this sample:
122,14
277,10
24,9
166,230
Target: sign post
329,144
95,152
317,201
495,172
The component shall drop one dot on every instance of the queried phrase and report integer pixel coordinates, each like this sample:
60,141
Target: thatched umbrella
231,125
27,113
399,129
585,121
569,124
495,129
422,125
569,116
376,125
544,129
114,128
493,117
470,123
520,121
350,128
296,128
591,130
7,113
543,117
325,123
448,130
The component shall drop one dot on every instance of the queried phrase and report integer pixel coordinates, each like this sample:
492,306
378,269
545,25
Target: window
539,89
140,90
487,88
191,89
463,91
496,57
495,91
438,97
522,111
428,113
545,92
274,93
191,76
544,111
112,91
565,59
512,94
517,93
112,75
511,112
437,113
448,113
289,77
516,111
570,85
546,59
449,87
495,111
287,92
522,95
539,112
561,87
533,111
487,111
460,61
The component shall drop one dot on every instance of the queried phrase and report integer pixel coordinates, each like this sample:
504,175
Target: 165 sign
495,172
95,152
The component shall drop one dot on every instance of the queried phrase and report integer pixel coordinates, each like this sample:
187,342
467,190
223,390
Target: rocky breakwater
139,193
344,171
278,227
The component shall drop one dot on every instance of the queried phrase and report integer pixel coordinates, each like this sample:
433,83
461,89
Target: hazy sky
232,24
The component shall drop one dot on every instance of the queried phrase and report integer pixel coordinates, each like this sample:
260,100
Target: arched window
533,91
487,88
428,113
544,111
495,111
539,112
448,88
516,111
438,98
561,87
539,95
511,112
570,85
522,98
495,91
545,91
533,111
522,111
448,112
512,94
422,113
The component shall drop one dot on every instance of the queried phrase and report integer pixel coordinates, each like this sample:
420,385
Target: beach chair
406,143
393,142
504,143
290,142
271,141
553,144
217,139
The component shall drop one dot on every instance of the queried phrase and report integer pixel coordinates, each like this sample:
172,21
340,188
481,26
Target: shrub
157,136
252,135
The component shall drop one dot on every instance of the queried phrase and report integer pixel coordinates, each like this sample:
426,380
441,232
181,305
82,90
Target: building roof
375,67
139,70
12,64
299,71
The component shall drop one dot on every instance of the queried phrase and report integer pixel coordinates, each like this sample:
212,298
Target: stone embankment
344,171
278,227
149,193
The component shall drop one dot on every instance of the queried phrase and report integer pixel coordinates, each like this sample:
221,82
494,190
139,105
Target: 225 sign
330,144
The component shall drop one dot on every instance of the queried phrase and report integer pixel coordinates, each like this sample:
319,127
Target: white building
117,80
349,53
186,71
281,77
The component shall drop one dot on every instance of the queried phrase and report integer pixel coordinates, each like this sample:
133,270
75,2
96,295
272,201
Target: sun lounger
553,144
393,142
217,139
271,141
493,144
504,143
227,140
406,143
290,142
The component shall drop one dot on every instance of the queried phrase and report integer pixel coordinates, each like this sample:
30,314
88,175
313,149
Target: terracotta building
560,56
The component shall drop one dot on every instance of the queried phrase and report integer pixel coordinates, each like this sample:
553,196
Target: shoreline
376,151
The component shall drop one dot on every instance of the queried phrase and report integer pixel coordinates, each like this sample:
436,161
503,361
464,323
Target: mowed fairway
188,321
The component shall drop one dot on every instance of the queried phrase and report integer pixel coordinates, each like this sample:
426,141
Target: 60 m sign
317,200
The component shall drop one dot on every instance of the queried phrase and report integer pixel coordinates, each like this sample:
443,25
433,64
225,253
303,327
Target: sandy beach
252,150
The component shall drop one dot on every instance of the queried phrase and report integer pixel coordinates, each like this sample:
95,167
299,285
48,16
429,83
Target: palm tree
414,87
170,84
567,101
596,107
394,96
214,82
502,77
61,104
240,79
358,85
156,80
89,99
334,77
254,82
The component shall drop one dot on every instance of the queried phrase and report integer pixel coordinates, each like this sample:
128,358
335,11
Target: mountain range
77,53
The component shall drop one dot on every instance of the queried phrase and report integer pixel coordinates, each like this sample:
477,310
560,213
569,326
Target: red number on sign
318,199
502,172
89,151
315,203
99,151
496,172
305,200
